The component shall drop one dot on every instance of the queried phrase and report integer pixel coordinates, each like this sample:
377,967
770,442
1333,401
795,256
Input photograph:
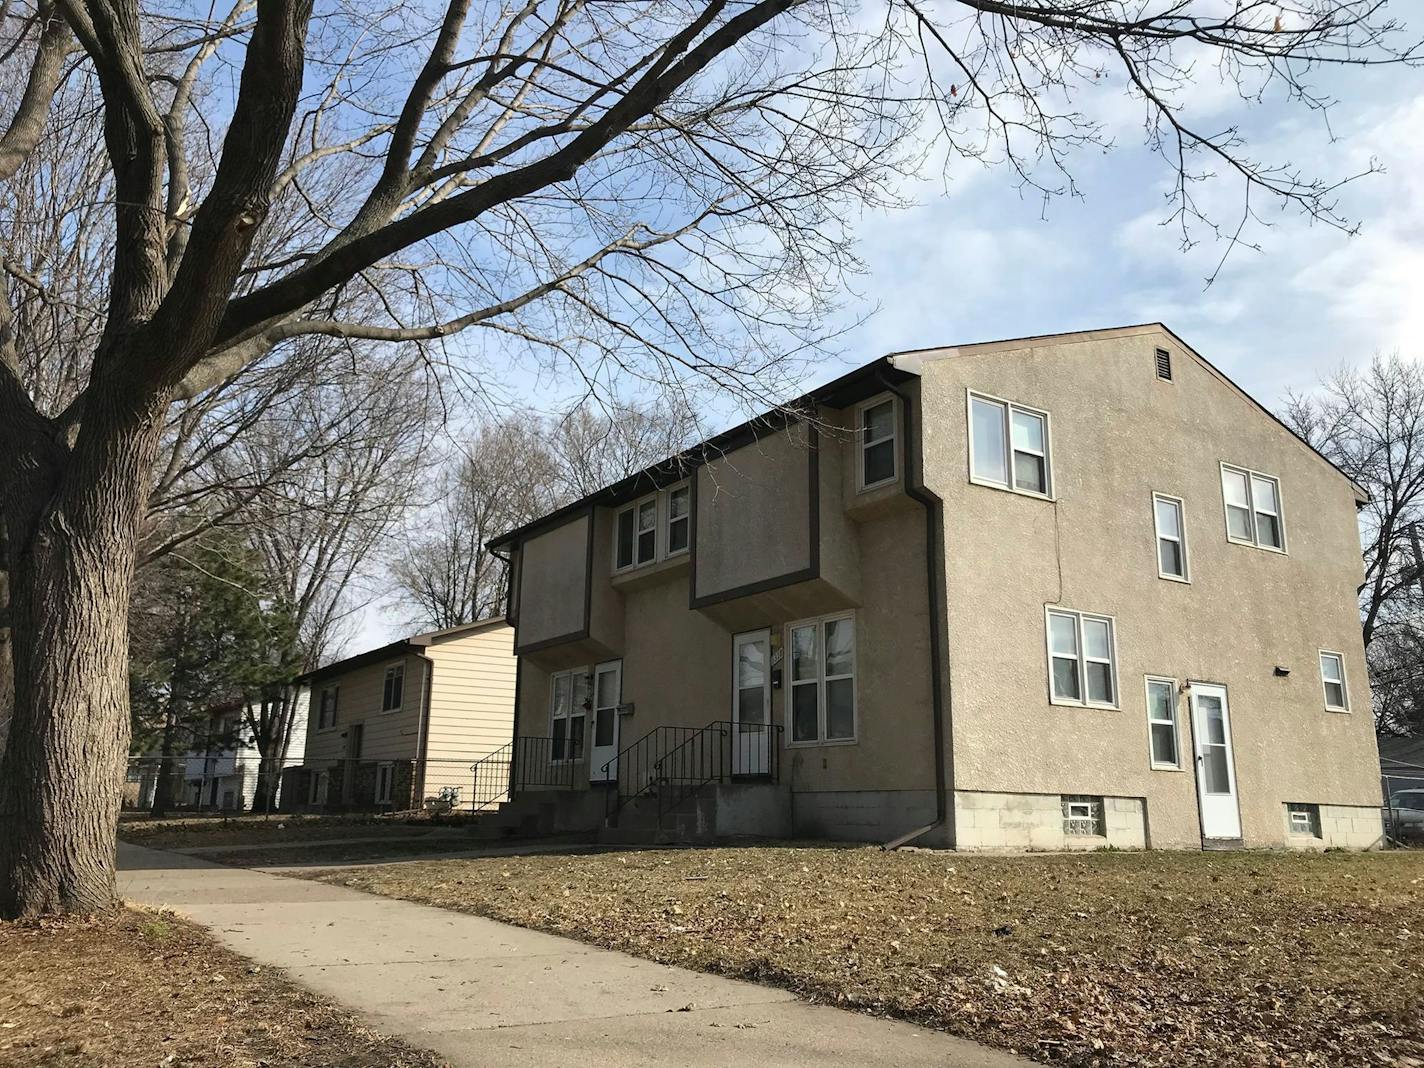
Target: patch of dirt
1144,959
146,988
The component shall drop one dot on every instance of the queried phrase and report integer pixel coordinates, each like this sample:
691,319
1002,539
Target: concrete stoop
715,812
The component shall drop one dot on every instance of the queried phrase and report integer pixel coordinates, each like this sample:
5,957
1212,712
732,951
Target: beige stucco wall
753,513
1118,434
553,574
677,661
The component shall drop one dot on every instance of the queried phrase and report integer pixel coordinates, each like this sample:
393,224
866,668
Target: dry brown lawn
185,832
1104,959
146,989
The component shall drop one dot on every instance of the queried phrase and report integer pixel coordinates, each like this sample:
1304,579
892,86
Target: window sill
822,743
1096,705
1168,767
631,576
884,483
1174,578
1254,545
1012,489
1338,711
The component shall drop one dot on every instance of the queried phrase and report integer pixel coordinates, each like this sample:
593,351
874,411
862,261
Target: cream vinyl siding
388,735
471,705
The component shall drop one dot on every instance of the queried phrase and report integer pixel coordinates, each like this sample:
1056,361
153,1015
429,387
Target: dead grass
143,988
1106,959
185,832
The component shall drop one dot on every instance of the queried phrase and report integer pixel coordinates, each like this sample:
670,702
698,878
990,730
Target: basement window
1303,819
1083,816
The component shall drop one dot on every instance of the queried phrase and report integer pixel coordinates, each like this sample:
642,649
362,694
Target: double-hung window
679,518
326,710
1162,722
568,699
1009,446
393,688
1082,665
1332,676
1253,508
822,701
876,428
1169,517
637,540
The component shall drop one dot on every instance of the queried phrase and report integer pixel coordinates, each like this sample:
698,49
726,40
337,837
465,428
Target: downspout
934,511
422,737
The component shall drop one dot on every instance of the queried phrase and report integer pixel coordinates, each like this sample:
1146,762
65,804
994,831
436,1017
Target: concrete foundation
1341,827
1000,821
860,815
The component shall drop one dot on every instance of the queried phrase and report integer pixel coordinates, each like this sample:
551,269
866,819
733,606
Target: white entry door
1216,769
751,703
607,695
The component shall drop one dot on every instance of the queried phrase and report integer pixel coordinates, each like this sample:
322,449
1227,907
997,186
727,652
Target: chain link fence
1404,805
233,784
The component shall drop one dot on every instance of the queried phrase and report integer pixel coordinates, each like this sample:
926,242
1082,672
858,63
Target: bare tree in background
1370,423
621,191
510,473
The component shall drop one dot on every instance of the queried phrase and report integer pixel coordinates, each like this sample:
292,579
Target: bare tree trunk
71,562
163,788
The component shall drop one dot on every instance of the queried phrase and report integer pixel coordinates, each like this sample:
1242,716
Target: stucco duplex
1044,593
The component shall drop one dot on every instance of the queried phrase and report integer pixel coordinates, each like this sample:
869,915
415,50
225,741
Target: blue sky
973,259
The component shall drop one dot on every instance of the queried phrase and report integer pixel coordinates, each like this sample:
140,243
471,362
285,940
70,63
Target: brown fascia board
910,360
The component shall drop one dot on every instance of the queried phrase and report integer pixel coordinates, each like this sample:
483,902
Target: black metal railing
674,763
528,761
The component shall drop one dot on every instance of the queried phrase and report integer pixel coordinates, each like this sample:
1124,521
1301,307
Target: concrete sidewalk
482,993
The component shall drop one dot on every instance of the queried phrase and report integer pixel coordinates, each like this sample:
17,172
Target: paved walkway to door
481,993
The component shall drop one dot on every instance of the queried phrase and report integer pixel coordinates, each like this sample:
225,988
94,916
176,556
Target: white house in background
219,771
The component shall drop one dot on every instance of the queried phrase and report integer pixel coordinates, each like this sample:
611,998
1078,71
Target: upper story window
679,518
1082,663
1169,517
1332,676
1009,446
822,705
637,540
876,432
326,710
1253,508
393,691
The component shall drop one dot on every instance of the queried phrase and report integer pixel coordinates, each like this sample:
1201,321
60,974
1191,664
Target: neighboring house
402,724
220,769
1401,763
1055,592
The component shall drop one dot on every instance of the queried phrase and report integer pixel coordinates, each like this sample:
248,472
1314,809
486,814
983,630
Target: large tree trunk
71,560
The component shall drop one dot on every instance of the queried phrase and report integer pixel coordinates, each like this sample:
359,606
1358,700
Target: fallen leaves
1149,959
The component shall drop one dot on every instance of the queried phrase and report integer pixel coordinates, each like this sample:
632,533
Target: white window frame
335,692
1079,810
1171,683
788,704
1343,681
1252,509
385,782
636,507
666,520
862,445
1181,539
391,669
573,675
1009,408
1083,659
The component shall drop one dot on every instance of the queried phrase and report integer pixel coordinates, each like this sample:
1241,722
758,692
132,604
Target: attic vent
1164,365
